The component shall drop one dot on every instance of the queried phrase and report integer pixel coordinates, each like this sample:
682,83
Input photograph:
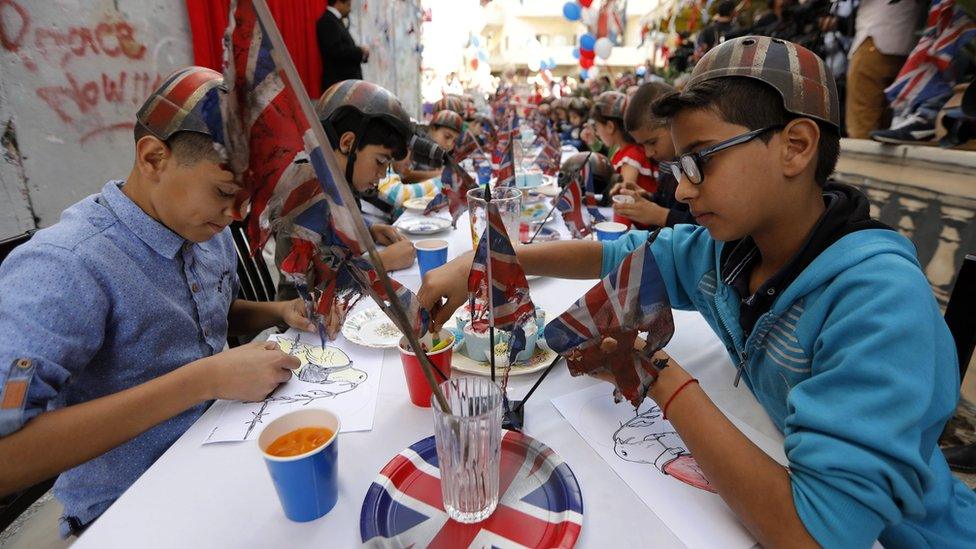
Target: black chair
252,272
960,313
13,505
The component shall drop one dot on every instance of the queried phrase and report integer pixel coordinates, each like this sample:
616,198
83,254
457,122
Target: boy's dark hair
725,8
618,122
639,111
750,103
377,132
187,147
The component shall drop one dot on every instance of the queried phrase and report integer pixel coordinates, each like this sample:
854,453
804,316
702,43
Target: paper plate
417,205
423,225
540,503
371,328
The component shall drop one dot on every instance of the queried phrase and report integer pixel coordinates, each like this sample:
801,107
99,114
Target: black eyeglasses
692,165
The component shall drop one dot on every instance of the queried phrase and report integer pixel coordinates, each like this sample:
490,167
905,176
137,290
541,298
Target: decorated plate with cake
472,350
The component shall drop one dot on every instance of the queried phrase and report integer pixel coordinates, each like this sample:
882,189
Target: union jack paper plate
540,503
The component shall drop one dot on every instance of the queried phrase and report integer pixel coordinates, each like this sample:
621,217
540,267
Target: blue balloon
482,56
584,74
475,42
552,62
576,53
587,41
641,70
571,11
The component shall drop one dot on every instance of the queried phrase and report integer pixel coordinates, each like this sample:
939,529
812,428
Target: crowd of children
825,312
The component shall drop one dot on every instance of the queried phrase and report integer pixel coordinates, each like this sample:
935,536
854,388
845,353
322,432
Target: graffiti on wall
66,61
391,31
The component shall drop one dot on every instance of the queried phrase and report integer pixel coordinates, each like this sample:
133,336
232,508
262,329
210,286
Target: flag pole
489,285
393,308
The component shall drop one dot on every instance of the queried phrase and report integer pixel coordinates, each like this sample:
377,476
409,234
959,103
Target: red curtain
296,21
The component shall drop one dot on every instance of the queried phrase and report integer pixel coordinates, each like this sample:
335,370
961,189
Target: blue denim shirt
104,300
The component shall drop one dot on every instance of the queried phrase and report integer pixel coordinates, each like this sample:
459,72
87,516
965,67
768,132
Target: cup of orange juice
301,450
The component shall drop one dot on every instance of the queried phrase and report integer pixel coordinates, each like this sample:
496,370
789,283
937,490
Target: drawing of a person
648,438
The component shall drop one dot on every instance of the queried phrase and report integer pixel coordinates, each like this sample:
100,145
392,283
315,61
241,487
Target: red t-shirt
633,155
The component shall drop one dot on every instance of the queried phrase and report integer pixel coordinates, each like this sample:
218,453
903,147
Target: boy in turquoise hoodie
825,313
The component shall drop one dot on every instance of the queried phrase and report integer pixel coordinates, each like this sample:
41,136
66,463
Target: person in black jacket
341,57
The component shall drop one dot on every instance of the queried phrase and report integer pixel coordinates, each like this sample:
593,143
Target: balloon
576,53
641,70
594,71
585,3
587,41
474,64
571,11
603,47
584,74
482,55
589,17
475,42
552,62
587,54
534,65
586,62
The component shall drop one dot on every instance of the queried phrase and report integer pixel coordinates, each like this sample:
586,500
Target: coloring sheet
345,381
647,454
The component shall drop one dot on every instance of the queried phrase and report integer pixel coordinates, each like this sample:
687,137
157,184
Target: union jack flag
505,168
548,159
923,76
455,184
631,299
538,501
466,145
270,145
589,193
496,268
570,205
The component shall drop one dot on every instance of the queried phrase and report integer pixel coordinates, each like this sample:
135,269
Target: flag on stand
455,184
631,299
570,205
589,197
497,279
270,144
505,168
551,154
466,145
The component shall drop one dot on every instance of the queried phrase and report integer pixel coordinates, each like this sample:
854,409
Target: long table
220,495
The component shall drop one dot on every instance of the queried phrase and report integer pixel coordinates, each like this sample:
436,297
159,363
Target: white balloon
534,65
588,17
593,71
603,48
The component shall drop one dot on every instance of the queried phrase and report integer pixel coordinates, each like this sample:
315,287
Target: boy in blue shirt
826,314
114,320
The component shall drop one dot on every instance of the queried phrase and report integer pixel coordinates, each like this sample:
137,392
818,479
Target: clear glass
509,202
468,439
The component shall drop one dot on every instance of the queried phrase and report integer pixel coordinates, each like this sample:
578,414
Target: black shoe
961,458
914,130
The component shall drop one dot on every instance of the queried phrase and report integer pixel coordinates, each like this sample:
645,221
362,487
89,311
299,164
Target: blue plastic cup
431,254
307,484
609,230
484,174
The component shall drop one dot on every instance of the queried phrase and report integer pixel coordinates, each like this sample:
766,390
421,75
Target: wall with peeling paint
73,74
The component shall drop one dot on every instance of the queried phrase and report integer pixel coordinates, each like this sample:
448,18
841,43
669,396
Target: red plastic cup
416,381
622,199
621,219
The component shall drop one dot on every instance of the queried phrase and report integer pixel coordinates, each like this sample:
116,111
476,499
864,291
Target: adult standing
884,35
341,57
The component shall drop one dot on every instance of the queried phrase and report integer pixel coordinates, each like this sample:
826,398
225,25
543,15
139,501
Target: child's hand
398,255
249,372
624,186
385,235
448,282
641,210
293,314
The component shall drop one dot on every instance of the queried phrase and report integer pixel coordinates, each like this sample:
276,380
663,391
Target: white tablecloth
220,495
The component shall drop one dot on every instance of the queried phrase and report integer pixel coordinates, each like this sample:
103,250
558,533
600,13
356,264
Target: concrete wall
72,75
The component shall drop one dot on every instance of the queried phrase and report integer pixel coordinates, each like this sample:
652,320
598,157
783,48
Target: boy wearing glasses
825,312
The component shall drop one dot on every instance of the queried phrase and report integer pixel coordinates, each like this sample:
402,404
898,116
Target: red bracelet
674,394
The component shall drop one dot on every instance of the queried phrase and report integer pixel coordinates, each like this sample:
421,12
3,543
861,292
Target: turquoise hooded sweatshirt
856,367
